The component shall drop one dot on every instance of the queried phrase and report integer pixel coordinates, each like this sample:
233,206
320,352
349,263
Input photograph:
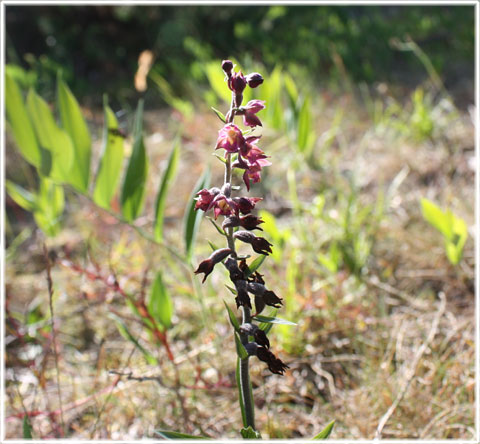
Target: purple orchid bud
275,365
207,265
259,244
254,106
254,79
230,138
237,83
227,67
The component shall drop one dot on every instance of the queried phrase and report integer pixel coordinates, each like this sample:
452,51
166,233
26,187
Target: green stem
245,384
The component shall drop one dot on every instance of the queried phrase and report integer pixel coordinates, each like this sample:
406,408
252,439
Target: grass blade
167,178
176,435
133,190
192,218
111,160
21,196
160,304
325,433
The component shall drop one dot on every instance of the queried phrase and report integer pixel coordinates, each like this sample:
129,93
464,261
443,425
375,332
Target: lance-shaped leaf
160,304
233,319
325,433
76,127
271,320
110,160
241,351
267,326
166,434
133,190
305,131
167,178
255,265
21,196
240,394
192,218
51,138
219,114
49,205
20,123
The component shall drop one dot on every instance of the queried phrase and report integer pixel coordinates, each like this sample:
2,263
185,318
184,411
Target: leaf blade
325,433
167,177
160,304
273,320
133,189
111,160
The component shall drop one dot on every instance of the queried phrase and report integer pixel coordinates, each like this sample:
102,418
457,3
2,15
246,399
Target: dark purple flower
254,79
223,205
246,204
275,365
242,298
250,111
234,271
205,198
207,265
251,222
230,138
270,298
259,244
261,338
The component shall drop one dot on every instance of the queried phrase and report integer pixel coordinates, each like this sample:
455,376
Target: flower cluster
242,153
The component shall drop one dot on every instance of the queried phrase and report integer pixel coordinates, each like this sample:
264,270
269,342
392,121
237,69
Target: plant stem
245,384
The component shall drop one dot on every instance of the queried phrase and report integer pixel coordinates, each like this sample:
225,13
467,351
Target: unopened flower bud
207,265
254,79
227,67
237,83
227,189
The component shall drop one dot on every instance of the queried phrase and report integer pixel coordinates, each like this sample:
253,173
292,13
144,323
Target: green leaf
305,130
50,202
21,196
111,160
220,158
454,247
217,227
219,115
232,317
255,265
176,435
272,320
51,138
436,217
241,352
76,127
125,332
325,433
167,178
192,218
20,123
27,428
160,304
133,190
212,246
250,433
240,394
267,326
232,290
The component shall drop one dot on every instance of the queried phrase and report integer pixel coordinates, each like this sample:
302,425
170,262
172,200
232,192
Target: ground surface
395,329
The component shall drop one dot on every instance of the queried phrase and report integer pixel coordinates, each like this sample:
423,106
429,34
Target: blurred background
369,204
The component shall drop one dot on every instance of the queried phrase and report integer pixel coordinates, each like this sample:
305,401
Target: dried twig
411,372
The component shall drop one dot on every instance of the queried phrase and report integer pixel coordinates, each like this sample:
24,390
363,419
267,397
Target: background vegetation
370,206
